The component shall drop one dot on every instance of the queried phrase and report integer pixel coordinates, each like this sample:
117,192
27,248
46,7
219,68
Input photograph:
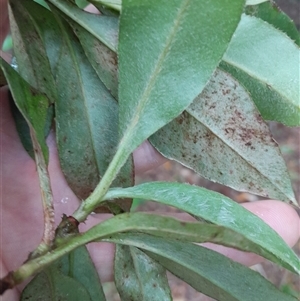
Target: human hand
22,215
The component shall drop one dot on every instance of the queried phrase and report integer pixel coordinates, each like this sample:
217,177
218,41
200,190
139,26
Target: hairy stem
89,205
47,198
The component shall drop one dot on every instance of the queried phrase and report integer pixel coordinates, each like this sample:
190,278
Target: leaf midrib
78,74
152,78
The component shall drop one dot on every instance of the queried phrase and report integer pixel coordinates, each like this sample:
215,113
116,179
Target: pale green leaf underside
103,60
215,208
159,75
255,2
104,28
272,14
138,277
266,59
222,137
207,271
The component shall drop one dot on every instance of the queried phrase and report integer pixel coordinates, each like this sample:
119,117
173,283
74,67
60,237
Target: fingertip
279,216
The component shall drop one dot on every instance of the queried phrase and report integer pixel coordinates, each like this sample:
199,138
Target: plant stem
47,198
89,205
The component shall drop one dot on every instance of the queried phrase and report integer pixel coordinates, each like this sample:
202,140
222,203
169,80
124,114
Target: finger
279,216
146,157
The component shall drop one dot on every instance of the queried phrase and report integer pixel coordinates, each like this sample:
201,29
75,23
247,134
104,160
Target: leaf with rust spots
138,277
103,60
104,28
223,138
86,120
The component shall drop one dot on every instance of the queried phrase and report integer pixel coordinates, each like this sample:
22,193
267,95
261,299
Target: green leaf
49,31
222,137
138,277
171,228
52,285
103,60
29,49
167,53
207,271
104,28
82,3
86,120
32,104
79,266
254,57
217,209
254,2
114,4
23,128
271,13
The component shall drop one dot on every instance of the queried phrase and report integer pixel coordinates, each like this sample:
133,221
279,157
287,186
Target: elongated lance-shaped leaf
48,29
86,120
103,59
271,13
138,277
215,208
79,266
52,285
169,228
167,53
266,62
222,136
104,28
34,107
29,49
207,271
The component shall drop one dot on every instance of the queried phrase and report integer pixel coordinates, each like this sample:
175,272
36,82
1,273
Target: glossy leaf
254,57
86,120
222,137
103,60
32,104
79,266
214,208
171,228
160,74
138,277
104,28
207,271
29,49
52,285
271,13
